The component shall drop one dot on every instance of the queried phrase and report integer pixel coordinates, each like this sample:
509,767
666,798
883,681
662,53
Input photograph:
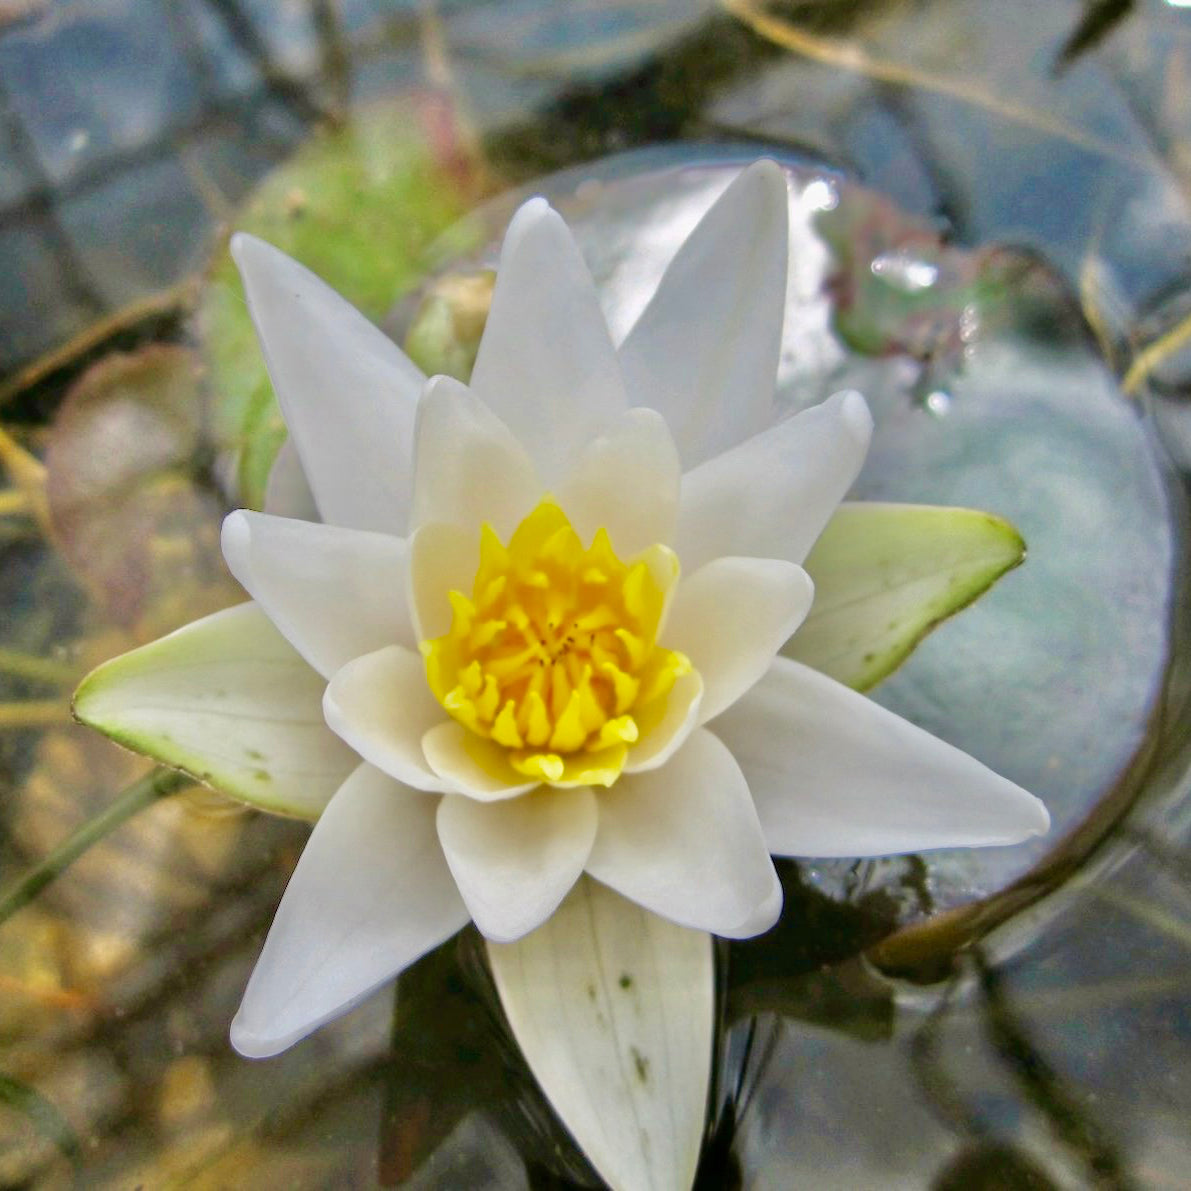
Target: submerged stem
37,669
159,783
34,713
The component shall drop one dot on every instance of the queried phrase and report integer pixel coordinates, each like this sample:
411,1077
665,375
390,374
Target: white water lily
543,612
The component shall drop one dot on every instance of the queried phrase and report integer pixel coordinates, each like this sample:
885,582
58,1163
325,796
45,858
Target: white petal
287,493
381,705
514,861
230,701
346,391
468,467
660,741
730,618
613,1008
468,764
627,482
442,558
546,364
771,496
335,593
684,841
835,774
705,350
370,895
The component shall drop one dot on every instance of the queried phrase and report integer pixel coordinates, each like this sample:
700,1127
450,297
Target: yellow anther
488,700
485,633
471,678
634,647
569,733
504,729
634,590
591,710
560,690
554,654
622,730
624,686
546,767
488,593
534,722
665,668
463,611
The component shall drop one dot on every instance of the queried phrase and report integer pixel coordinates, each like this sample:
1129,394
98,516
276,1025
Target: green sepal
886,574
229,701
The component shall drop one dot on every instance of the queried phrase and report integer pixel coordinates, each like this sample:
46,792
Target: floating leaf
127,503
612,1007
360,206
228,700
886,574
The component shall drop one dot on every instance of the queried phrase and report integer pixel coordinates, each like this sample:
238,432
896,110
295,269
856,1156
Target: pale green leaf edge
993,547
90,707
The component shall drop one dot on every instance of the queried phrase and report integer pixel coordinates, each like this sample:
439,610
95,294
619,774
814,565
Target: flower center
554,655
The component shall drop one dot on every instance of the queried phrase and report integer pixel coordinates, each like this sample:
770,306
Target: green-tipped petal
613,1008
230,701
886,574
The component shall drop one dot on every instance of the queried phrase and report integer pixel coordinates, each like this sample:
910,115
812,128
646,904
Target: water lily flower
543,611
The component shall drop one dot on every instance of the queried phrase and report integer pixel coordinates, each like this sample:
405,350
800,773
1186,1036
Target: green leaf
613,1008
886,574
123,479
361,206
229,701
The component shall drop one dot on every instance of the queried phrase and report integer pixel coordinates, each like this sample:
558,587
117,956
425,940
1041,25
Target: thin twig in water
159,783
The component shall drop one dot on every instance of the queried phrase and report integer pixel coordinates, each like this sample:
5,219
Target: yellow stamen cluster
554,656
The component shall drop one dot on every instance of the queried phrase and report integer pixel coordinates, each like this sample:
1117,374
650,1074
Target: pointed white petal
335,593
442,558
627,482
514,861
467,764
730,618
613,1008
370,895
705,350
346,391
287,493
835,774
885,575
546,365
771,496
381,705
684,841
660,741
230,701
468,467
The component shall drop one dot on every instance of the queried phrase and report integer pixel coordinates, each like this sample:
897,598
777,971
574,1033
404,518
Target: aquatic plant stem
159,783
37,669
34,713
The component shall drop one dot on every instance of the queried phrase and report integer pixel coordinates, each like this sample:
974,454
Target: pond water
990,239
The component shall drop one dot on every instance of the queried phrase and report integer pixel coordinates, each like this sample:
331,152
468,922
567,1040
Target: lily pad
333,206
128,504
987,394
